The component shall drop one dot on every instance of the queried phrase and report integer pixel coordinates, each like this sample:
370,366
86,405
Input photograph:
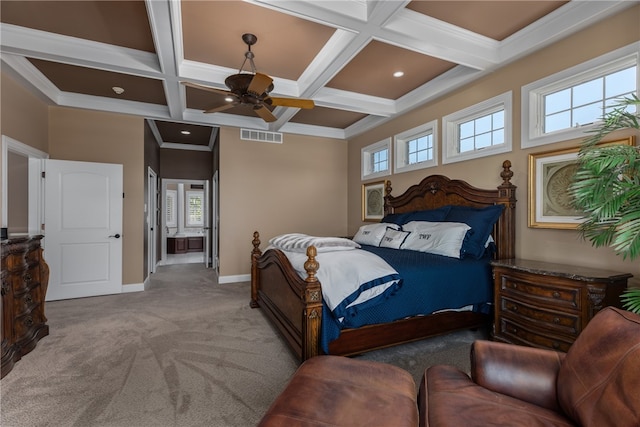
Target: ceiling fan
251,89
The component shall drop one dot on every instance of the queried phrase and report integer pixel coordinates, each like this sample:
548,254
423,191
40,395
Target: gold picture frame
373,201
550,174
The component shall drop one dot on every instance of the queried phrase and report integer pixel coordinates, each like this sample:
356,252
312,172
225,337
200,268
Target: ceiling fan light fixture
398,74
229,99
118,90
185,132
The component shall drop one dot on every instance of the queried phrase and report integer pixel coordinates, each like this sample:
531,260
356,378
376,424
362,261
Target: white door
83,228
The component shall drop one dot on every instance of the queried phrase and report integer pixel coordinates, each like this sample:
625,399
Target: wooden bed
294,305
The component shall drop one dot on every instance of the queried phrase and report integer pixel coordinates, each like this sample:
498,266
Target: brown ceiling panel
286,44
75,79
172,132
494,19
330,117
120,23
371,71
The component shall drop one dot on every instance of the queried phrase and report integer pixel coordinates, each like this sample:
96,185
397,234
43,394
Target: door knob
117,236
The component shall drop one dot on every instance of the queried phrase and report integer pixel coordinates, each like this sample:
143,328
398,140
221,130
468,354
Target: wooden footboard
294,304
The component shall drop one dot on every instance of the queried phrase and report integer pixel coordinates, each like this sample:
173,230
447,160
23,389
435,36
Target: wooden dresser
25,276
546,305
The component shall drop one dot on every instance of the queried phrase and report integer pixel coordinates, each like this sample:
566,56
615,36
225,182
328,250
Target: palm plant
606,187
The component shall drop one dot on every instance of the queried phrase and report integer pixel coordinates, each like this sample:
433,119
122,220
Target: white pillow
440,238
393,238
371,234
297,242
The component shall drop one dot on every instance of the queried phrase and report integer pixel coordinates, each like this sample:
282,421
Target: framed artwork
373,201
550,174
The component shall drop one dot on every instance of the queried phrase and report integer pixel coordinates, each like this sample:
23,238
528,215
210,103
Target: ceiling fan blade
221,108
259,83
290,102
207,88
265,114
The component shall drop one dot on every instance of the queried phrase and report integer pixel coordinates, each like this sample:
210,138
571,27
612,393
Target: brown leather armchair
597,383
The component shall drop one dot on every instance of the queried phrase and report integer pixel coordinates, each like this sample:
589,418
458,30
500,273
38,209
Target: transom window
481,130
420,149
380,160
376,159
567,104
585,103
416,148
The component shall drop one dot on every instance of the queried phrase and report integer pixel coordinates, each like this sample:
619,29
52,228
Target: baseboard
235,279
134,287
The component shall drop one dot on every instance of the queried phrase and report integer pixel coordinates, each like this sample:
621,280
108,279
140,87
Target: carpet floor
186,352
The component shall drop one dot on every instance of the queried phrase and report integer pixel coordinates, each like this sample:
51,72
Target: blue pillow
430,215
481,221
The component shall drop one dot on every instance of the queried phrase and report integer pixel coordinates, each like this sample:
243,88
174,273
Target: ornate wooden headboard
437,190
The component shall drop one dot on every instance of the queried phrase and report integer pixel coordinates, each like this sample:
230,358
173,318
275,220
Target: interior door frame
163,221
152,220
36,187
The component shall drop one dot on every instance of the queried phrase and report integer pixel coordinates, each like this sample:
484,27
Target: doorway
185,222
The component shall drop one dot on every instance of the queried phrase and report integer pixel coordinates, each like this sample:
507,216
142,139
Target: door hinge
43,174
42,227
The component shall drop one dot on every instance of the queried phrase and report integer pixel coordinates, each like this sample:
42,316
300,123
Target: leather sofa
597,383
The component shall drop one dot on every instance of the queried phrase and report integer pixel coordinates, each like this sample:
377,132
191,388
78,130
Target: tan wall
563,246
23,116
297,186
90,136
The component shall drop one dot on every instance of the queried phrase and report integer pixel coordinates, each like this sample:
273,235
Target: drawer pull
556,320
27,277
28,299
555,345
556,294
514,308
514,286
28,321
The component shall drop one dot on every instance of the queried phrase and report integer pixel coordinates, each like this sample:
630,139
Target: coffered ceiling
341,54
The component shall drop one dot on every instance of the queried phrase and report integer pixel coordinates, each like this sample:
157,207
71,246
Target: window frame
189,194
450,133
402,140
532,120
173,220
367,159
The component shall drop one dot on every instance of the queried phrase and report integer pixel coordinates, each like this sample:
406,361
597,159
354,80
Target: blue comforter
429,283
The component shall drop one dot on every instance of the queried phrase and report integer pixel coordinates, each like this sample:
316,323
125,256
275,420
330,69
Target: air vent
261,136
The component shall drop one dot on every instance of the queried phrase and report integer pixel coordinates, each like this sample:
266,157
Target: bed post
255,254
312,312
507,196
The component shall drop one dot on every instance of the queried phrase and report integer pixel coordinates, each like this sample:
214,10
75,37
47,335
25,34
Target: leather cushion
448,397
339,391
599,381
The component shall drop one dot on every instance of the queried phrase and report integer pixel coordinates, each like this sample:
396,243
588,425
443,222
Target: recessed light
185,132
118,90
398,74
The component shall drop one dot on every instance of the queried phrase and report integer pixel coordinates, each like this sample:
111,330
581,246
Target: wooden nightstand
546,305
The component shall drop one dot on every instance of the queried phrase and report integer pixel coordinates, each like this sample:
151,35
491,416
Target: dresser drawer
25,325
522,334
565,296
24,303
566,323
